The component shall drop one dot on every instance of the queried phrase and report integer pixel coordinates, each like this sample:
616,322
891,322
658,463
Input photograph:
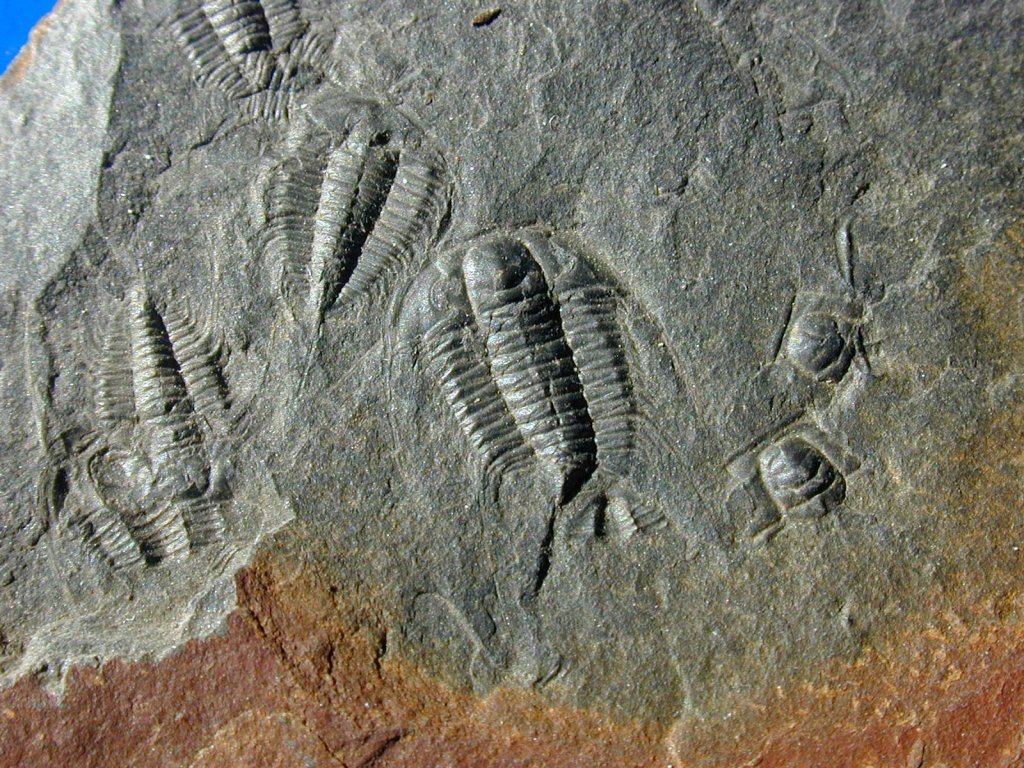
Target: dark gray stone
628,345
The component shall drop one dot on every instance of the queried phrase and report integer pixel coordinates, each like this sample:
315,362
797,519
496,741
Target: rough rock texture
604,384
304,676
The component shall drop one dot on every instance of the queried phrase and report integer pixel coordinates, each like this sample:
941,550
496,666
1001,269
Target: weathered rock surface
589,384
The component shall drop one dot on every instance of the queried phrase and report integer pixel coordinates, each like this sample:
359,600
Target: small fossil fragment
795,473
822,338
484,18
792,472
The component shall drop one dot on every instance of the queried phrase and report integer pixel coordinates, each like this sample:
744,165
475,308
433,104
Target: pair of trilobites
515,332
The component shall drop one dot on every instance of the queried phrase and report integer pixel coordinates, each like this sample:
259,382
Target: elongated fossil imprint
260,51
358,192
521,338
153,480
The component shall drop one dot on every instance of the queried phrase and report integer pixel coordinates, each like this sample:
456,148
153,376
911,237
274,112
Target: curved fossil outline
435,330
148,482
261,53
354,203
822,334
359,191
794,471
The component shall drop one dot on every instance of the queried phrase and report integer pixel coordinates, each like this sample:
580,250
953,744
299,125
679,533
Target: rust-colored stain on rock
23,61
299,680
304,679
304,675
948,696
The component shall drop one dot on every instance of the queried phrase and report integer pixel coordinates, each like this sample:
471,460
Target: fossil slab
645,360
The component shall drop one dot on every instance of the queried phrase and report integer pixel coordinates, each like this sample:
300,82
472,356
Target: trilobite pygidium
152,482
261,49
358,193
520,337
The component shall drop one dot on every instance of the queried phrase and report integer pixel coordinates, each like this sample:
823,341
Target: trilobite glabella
521,338
798,476
821,340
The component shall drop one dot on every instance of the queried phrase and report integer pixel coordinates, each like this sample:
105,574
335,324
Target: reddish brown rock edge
303,679
299,680
23,61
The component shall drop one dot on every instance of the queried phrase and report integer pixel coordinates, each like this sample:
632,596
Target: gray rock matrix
630,347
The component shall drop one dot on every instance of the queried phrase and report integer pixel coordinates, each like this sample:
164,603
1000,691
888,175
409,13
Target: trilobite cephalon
258,50
522,340
151,481
822,338
357,193
796,472
799,478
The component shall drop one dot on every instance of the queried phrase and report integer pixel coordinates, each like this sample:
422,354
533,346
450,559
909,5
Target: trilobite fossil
793,472
358,193
796,474
823,336
151,482
521,338
258,50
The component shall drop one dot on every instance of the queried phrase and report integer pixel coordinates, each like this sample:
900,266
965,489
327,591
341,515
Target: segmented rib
471,393
629,520
534,371
310,52
411,205
210,59
293,199
274,102
240,24
106,531
198,366
204,521
159,529
355,188
115,398
165,411
593,334
285,22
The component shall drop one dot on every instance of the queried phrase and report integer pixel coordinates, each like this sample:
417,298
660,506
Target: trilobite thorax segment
541,370
165,412
589,308
230,42
530,359
347,208
455,358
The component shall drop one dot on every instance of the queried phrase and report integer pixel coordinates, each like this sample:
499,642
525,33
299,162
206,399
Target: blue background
17,17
